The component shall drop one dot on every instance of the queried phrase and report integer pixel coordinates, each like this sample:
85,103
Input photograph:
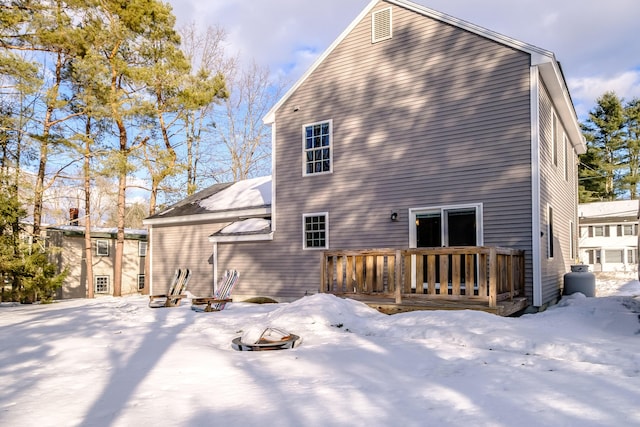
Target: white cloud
586,90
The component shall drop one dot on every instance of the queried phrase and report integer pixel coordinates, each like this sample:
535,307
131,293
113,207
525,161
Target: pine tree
632,146
604,134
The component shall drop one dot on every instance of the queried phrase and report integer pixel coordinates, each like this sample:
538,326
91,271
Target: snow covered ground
116,362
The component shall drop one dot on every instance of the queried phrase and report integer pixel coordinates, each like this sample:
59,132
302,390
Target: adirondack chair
221,295
176,291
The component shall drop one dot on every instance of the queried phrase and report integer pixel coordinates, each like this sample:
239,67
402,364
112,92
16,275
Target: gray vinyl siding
183,246
561,195
434,116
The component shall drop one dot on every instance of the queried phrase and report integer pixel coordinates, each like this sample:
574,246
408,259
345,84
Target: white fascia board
270,117
242,238
212,216
552,77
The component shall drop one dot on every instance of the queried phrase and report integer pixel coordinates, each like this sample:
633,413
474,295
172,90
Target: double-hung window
102,247
317,150
315,231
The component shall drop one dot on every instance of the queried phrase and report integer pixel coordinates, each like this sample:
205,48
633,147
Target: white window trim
98,242
142,244
326,231
572,242
554,138
565,141
140,276
95,284
413,212
304,147
550,246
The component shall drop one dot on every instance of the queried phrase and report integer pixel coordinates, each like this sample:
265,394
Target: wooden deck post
493,277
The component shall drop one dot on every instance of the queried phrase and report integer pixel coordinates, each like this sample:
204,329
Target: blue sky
595,41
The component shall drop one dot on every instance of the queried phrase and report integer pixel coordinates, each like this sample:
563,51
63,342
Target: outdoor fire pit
266,339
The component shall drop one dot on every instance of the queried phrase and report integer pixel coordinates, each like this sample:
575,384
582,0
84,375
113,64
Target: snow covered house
451,144
609,235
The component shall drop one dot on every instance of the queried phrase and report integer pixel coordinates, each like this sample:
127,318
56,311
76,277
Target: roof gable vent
381,28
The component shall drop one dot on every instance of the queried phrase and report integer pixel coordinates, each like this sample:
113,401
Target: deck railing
477,273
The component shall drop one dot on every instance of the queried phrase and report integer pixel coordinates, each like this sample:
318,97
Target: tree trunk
88,254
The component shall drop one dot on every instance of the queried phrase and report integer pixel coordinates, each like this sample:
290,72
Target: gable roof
246,198
545,60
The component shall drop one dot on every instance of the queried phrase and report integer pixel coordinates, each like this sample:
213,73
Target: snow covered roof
250,225
603,211
250,229
250,197
243,194
110,232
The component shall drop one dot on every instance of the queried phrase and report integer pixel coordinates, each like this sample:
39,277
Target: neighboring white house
609,235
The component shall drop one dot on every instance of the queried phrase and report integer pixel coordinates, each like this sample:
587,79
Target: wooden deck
489,279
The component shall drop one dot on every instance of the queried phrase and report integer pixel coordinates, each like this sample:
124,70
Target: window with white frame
554,138
315,231
550,235
572,241
631,256
101,284
142,248
566,157
628,230
614,256
140,282
598,231
102,247
317,149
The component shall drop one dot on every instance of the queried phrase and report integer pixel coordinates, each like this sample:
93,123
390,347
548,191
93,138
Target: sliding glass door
445,226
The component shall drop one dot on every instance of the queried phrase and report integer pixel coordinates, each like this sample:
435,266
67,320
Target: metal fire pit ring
291,342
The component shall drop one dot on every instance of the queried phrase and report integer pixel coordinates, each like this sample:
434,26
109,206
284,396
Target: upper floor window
102,247
550,235
315,228
598,231
142,248
566,157
317,148
554,138
628,230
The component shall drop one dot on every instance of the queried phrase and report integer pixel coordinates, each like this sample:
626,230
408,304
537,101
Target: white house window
550,235
631,256
554,138
102,247
628,230
102,285
566,157
572,239
140,282
613,256
315,228
317,148
142,248
598,231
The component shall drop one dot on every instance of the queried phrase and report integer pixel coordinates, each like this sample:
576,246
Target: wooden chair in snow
221,295
176,291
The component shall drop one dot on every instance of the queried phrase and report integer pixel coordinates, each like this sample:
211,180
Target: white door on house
443,226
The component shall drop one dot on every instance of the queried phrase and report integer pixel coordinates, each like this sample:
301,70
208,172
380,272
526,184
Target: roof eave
211,216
